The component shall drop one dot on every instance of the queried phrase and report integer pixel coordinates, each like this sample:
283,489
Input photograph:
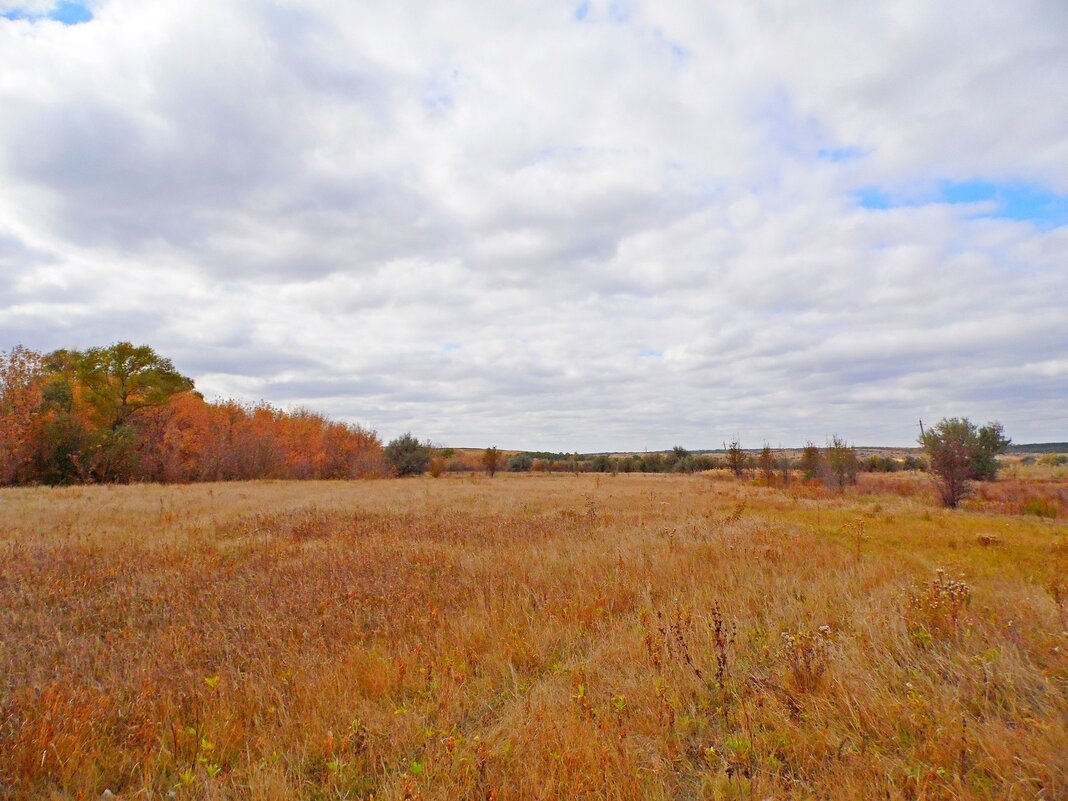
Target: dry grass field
534,637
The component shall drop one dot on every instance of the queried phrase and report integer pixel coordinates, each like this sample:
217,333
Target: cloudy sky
553,225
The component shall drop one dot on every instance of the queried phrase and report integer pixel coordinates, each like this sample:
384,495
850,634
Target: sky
553,225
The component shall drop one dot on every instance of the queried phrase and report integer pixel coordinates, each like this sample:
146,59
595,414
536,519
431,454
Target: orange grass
528,637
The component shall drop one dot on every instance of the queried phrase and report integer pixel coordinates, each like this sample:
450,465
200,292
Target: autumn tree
491,460
735,458
63,451
840,463
811,462
766,461
123,413
20,401
960,453
116,383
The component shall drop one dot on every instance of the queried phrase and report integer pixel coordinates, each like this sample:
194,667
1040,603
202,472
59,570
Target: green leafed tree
811,462
407,455
840,460
736,458
122,379
960,453
91,400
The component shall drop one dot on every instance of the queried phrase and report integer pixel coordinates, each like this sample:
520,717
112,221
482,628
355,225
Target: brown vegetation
608,637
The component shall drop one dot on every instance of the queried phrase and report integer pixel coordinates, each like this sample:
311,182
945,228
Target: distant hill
1040,447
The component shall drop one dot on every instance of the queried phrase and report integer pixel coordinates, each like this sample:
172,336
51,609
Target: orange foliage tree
123,413
20,401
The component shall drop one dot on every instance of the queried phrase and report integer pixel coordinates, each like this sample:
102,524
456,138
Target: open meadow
535,637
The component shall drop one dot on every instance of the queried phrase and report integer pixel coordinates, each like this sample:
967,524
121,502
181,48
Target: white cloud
508,225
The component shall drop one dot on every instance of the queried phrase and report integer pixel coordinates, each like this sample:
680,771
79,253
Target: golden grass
528,637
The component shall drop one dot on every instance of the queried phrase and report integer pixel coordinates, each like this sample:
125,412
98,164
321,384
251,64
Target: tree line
957,453
123,413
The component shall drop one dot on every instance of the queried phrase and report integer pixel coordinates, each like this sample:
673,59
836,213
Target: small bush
881,464
408,456
1040,508
1053,460
937,608
520,463
807,654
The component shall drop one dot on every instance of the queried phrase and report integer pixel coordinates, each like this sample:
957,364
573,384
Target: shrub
914,463
651,463
807,654
520,463
707,462
1040,508
1053,459
881,464
937,609
602,463
679,460
408,456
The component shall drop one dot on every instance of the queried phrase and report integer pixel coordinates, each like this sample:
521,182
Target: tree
841,462
784,468
767,464
992,441
122,379
735,457
811,462
407,455
491,460
20,401
122,413
959,453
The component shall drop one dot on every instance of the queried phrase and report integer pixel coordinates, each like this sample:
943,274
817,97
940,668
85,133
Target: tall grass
529,637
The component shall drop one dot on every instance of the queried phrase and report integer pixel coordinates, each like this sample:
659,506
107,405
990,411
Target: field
535,637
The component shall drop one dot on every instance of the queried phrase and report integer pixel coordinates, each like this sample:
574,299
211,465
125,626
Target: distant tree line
123,413
957,453
837,464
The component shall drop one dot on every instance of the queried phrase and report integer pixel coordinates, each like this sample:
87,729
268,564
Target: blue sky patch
1013,201
582,10
872,197
71,13
67,13
1008,201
